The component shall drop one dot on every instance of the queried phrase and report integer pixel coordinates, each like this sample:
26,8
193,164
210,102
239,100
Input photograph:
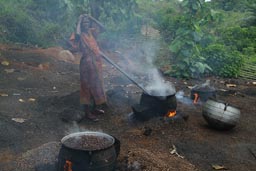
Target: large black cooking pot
88,151
154,105
159,101
153,102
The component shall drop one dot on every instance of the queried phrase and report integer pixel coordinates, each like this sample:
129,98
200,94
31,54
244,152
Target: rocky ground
39,86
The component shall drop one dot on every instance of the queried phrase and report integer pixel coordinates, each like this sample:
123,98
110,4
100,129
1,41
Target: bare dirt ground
38,85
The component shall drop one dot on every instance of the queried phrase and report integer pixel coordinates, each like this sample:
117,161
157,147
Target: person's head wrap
80,19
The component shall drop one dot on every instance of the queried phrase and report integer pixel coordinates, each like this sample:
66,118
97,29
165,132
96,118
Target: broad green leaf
182,31
185,74
197,50
192,43
208,67
193,69
187,53
198,29
197,36
186,60
176,46
184,3
200,66
195,6
182,66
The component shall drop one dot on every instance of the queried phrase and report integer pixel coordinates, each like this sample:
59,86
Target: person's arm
94,31
74,42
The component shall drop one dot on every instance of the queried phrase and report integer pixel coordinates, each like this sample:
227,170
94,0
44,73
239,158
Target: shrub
223,60
239,37
50,22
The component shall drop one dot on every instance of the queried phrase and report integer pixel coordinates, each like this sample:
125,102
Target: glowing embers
202,92
68,166
171,114
202,95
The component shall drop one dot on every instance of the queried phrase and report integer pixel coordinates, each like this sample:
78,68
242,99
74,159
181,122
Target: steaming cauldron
88,151
220,115
153,105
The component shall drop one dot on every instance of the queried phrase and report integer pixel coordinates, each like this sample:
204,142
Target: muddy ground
38,86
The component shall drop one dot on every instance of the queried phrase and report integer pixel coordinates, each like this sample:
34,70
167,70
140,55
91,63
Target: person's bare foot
92,117
98,112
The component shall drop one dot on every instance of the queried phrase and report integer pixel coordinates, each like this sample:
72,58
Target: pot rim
159,96
224,103
204,91
94,133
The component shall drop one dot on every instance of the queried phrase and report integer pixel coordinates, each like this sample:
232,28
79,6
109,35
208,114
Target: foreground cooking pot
220,115
88,151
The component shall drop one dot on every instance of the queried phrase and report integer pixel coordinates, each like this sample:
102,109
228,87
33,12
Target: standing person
91,80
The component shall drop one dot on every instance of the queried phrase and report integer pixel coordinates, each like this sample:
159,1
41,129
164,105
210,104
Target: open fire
203,92
171,114
68,166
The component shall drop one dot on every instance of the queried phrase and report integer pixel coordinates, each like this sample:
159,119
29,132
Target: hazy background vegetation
198,38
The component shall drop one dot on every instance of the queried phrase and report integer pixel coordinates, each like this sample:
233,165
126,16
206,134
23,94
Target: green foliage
223,60
239,38
230,5
13,25
197,33
113,12
236,10
48,22
201,36
33,21
119,17
182,28
251,21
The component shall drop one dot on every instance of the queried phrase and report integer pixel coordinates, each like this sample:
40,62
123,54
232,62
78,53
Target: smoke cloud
76,128
138,62
180,96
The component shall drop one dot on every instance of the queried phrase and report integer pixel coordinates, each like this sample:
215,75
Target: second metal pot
220,115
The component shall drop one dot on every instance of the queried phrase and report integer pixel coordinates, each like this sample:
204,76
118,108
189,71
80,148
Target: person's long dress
91,86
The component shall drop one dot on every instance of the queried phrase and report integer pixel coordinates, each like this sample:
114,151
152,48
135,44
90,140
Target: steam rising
76,128
204,86
158,86
180,96
141,67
